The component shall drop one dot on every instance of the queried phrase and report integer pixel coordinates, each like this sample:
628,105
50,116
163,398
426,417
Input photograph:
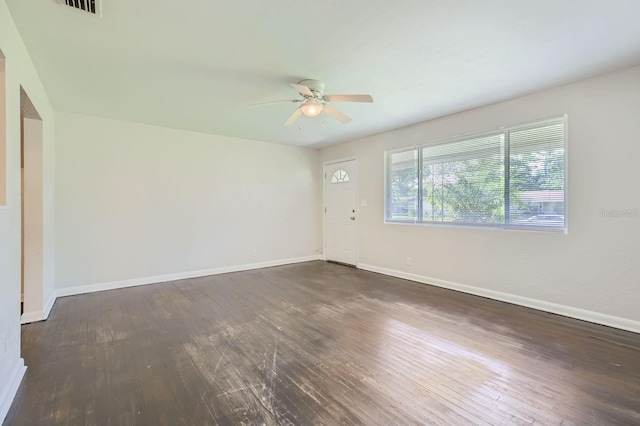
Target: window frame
344,178
506,130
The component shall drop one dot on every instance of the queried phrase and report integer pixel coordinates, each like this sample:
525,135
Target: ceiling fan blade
348,98
288,101
303,90
296,114
336,114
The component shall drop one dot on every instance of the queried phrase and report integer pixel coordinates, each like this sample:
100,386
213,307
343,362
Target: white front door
340,219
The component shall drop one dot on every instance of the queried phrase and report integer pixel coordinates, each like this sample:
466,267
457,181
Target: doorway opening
32,196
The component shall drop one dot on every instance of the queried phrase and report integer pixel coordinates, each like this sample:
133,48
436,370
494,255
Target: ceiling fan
314,101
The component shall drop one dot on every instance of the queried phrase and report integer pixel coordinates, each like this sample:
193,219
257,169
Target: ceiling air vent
91,6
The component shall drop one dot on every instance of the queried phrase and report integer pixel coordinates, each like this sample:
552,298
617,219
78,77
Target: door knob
353,218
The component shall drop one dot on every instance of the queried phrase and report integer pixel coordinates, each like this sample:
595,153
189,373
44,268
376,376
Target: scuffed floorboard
319,344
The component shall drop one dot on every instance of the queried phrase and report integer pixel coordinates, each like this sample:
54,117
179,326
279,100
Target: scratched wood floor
319,343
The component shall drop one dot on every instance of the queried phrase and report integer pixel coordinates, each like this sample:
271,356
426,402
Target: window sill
479,226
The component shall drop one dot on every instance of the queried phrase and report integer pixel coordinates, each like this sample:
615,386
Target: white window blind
536,175
514,177
402,185
463,181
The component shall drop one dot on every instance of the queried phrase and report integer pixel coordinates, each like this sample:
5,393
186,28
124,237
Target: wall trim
554,308
91,288
34,316
9,390
49,305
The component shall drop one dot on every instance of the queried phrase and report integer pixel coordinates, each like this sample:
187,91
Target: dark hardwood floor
319,343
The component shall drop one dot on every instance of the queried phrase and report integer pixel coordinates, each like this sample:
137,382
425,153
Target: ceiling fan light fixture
313,102
311,108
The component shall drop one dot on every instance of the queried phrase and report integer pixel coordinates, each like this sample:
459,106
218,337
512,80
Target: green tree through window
506,178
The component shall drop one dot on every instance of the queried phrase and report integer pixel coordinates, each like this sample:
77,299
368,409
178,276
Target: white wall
20,71
592,272
3,136
143,203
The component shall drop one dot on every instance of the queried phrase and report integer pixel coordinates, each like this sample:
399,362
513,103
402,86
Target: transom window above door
340,176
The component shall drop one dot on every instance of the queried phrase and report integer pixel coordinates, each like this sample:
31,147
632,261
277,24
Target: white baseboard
71,291
554,308
35,316
29,317
49,305
9,389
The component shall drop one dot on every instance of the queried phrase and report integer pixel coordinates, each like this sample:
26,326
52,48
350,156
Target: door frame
32,253
324,205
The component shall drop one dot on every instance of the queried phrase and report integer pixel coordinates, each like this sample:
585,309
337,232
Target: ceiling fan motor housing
317,87
314,101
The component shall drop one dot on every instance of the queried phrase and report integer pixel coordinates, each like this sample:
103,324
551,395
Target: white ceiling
197,64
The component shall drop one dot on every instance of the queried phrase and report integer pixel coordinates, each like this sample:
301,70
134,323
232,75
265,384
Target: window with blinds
513,178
